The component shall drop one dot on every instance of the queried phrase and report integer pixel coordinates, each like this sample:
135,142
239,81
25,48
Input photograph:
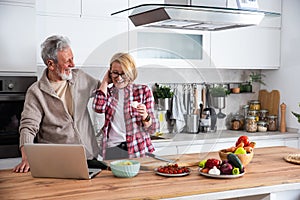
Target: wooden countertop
266,169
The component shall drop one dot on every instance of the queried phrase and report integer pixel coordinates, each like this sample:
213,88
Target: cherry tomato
243,139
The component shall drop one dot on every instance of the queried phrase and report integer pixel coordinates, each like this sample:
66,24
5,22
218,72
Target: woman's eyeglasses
117,74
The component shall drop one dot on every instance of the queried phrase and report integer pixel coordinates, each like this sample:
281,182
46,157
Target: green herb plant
297,115
219,91
162,92
257,77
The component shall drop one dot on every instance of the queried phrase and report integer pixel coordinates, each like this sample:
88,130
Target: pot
192,123
164,104
218,102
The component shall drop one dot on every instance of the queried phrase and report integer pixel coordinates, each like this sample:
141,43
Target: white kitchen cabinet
170,48
95,35
104,8
255,47
246,48
139,2
17,35
58,7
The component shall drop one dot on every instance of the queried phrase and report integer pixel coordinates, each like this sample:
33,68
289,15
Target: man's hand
22,167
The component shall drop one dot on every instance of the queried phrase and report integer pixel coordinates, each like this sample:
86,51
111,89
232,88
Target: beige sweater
46,120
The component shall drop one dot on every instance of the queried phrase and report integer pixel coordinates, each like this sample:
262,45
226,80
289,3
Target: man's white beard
65,76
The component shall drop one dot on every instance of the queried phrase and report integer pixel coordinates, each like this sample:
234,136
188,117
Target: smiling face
119,79
62,70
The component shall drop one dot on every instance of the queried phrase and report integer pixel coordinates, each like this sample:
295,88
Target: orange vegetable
230,149
248,149
252,144
205,170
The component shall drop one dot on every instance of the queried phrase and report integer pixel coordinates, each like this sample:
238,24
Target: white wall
287,78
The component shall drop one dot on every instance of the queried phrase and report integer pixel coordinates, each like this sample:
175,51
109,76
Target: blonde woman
129,111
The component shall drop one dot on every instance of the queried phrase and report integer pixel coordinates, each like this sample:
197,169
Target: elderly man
55,108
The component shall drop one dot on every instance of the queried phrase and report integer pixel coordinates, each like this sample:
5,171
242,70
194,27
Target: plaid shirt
137,136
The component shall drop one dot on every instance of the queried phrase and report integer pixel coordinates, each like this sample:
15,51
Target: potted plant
254,77
297,115
257,77
162,96
218,91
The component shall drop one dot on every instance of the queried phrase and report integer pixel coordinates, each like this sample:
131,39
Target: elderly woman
129,111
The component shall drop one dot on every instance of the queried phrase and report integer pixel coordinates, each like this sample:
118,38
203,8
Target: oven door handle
12,97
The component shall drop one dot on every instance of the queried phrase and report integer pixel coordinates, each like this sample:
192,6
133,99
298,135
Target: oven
12,97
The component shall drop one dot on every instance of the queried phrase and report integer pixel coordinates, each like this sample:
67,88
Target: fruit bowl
125,168
245,158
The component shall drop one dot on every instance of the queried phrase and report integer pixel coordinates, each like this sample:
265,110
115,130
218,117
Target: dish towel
177,113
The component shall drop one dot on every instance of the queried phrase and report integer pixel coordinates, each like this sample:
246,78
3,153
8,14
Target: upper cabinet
246,48
95,35
251,47
171,49
17,35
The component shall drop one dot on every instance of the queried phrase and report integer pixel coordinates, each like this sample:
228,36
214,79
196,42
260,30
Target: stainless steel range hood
194,17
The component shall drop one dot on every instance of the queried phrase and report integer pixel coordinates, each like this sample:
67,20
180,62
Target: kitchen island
267,176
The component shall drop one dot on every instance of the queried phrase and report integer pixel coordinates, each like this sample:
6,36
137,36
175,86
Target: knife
159,158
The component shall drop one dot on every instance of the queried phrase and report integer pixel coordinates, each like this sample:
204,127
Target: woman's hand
107,78
141,109
105,82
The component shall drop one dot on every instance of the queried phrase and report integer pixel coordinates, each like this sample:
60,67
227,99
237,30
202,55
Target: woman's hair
52,45
127,63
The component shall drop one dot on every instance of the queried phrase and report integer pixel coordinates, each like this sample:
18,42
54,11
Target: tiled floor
9,163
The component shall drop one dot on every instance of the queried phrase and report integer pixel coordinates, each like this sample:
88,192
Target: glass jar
262,126
254,113
254,105
237,122
263,115
272,123
246,109
251,124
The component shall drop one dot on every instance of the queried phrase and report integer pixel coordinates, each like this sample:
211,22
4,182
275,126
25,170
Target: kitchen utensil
159,158
203,96
282,118
192,123
195,112
200,116
270,101
213,118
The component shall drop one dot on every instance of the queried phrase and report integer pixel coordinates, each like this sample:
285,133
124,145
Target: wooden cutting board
269,101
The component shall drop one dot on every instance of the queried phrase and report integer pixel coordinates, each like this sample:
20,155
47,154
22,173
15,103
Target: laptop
59,161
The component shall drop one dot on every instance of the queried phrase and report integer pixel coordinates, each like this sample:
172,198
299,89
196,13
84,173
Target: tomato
243,139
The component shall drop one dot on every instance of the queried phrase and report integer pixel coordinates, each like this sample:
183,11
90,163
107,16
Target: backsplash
150,76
